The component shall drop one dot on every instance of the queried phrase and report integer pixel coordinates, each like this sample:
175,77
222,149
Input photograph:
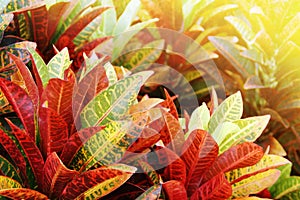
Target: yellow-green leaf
255,184
107,146
230,109
266,163
7,183
58,64
249,130
113,103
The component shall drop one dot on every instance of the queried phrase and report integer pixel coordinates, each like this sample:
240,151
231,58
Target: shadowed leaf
30,150
13,152
9,170
21,103
39,22
175,190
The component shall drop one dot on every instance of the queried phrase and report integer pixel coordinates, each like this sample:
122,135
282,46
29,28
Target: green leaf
249,130
199,118
285,187
255,184
8,169
229,50
109,18
150,172
40,66
209,15
58,64
152,193
106,146
3,5
244,29
5,19
74,9
229,110
290,29
224,129
97,183
192,9
145,56
127,17
20,6
113,103
110,73
121,40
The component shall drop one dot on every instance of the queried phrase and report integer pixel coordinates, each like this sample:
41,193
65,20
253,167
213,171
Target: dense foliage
88,112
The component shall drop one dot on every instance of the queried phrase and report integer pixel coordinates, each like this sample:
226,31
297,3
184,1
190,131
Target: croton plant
75,124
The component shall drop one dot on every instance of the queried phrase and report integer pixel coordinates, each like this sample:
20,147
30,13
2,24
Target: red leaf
175,190
32,152
92,83
169,103
239,156
147,139
59,93
39,22
76,141
78,26
174,167
54,15
21,103
28,80
53,131
22,193
172,134
56,176
37,77
13,152
87,48
217,188
200,151
92,178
